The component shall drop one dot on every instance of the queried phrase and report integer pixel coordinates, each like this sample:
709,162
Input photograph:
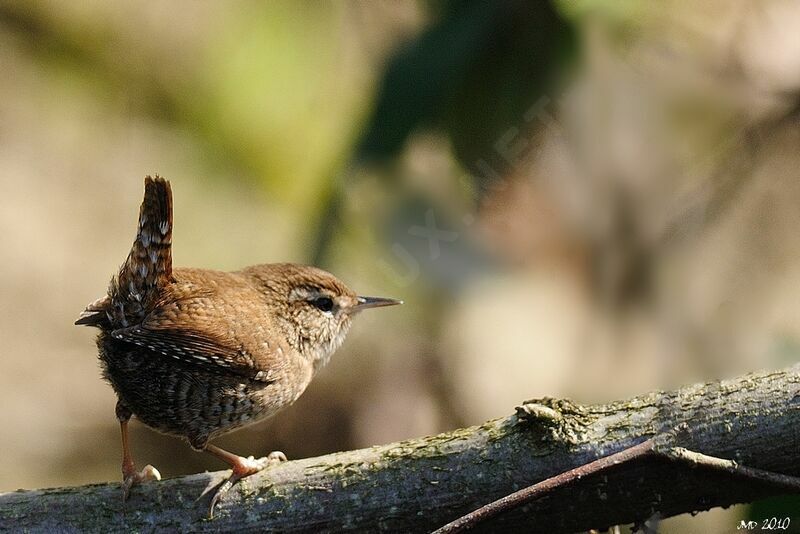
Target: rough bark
420,484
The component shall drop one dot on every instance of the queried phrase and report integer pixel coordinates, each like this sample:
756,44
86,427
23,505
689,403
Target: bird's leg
130,477
241,467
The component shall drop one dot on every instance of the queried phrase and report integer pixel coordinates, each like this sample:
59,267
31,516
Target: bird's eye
323,303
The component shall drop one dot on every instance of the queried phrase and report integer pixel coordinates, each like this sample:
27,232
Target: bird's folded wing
194,348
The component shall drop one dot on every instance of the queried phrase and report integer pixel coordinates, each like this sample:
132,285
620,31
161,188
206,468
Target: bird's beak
374,302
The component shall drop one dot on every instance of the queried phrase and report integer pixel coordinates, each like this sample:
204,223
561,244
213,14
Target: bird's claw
133,478
246,467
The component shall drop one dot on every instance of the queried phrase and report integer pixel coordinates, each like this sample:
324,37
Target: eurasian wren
198,353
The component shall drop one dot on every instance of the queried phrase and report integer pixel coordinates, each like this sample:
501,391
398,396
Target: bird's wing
192,347
194,324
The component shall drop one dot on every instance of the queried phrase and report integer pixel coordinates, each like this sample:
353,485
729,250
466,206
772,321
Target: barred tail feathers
153,245
149,263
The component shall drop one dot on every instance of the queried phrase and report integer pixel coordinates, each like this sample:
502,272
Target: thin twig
526,495
696,459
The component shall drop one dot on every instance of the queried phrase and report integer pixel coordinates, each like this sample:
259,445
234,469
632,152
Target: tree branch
421,484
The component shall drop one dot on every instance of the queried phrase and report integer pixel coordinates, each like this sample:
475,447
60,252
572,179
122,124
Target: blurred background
589,199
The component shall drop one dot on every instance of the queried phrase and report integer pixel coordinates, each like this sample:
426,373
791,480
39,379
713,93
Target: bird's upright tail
149,265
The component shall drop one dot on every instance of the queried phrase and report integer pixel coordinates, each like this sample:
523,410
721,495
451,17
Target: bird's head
313,308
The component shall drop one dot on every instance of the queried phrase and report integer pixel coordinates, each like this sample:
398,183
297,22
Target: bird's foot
131,478
244,467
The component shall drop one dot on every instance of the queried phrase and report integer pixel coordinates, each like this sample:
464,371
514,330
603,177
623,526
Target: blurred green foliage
278,96
265,99
474,73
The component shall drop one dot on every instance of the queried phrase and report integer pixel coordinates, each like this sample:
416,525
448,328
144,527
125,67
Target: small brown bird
198,353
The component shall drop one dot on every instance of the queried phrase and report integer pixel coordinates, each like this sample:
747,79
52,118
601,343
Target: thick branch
418,485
